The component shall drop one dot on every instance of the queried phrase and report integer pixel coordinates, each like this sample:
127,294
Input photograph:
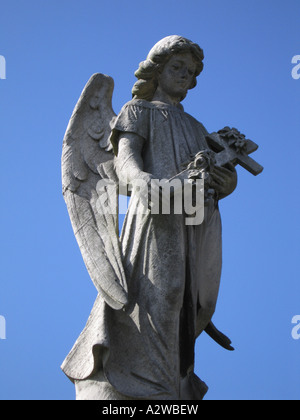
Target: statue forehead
185,58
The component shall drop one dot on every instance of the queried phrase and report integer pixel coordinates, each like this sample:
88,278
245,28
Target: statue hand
223,179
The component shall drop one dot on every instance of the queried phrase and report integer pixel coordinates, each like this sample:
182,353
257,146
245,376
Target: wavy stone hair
159,55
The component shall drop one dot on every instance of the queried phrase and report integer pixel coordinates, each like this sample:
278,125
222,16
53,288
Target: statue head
157,58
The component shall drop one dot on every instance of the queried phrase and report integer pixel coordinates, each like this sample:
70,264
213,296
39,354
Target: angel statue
157,281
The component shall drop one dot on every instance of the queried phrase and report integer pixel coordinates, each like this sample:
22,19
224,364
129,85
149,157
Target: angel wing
87,159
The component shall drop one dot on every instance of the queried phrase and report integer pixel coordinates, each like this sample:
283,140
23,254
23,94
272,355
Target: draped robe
145,350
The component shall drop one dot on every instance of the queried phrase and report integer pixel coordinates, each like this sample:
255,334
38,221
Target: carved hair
159,55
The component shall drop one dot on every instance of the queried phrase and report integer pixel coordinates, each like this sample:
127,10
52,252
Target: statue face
177,75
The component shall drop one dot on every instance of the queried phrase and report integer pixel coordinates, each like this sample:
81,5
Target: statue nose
184,73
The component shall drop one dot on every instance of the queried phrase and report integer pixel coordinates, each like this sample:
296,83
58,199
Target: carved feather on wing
87,159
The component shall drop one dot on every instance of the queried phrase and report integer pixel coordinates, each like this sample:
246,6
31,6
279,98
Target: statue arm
129,163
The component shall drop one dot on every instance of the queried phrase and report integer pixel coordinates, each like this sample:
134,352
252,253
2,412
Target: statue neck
162,96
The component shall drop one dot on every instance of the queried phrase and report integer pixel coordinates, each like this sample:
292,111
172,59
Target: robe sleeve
133,118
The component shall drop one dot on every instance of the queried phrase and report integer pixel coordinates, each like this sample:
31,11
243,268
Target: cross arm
230,146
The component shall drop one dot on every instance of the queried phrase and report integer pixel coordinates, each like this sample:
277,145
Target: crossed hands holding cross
219,179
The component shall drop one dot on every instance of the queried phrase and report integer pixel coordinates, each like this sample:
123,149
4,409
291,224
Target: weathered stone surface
158,283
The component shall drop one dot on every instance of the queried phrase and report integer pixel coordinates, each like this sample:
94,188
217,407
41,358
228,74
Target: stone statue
158,282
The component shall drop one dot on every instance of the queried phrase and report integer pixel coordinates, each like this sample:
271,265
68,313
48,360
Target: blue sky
51,49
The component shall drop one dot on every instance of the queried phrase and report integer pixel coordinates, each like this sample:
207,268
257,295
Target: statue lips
183,85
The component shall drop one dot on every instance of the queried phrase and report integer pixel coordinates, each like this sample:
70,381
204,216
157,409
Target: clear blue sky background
51,49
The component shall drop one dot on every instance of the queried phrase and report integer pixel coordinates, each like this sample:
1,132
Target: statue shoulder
197,124
137,103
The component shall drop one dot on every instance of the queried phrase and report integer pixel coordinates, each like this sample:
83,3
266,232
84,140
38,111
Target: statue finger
218,179
221,170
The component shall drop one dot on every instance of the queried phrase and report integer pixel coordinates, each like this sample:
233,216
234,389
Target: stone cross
230,146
